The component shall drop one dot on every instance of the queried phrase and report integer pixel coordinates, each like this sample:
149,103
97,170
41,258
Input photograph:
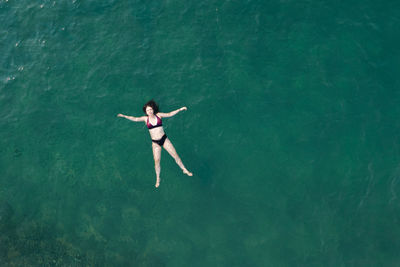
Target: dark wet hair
151,104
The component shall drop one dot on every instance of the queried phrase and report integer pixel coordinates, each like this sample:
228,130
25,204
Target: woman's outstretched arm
131,118
172,113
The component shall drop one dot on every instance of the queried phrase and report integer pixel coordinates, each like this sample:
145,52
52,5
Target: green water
292,133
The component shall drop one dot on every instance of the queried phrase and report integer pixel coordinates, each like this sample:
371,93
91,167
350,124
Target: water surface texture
292,132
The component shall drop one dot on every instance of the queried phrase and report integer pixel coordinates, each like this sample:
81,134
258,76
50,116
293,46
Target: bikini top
151,126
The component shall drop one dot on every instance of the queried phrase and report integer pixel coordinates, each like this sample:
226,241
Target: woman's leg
171,150
157,158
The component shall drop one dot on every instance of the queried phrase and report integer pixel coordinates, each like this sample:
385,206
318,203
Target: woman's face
149,111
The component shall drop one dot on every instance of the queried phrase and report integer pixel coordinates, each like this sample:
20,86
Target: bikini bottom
161,141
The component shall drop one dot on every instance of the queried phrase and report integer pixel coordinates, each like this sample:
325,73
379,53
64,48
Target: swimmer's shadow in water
204,170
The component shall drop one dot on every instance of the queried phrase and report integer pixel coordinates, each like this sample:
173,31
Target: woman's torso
158,131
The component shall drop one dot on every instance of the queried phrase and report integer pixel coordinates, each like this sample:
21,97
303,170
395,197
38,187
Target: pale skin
156,134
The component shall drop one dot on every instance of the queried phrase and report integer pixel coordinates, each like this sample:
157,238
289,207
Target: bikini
158,124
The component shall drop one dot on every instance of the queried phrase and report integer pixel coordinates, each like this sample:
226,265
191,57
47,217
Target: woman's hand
184,108
121,115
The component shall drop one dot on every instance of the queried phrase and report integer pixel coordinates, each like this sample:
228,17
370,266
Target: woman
158,136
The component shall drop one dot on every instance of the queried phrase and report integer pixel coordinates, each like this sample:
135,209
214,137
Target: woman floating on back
158,136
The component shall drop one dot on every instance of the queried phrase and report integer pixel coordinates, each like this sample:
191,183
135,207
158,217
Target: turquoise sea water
292,133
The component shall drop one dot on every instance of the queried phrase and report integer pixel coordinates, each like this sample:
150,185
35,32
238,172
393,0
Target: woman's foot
187,172
158,182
